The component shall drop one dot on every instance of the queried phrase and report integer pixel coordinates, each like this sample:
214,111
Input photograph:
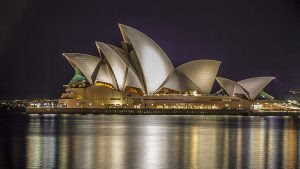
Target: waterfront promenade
112,111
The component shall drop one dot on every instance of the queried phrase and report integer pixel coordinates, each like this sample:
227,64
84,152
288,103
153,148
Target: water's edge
111,111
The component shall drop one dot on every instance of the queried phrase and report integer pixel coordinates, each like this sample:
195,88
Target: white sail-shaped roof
173,83
132,80
238,90
104,75
131,68
152,60
122,53
85,63
255,85
180,83
249,87
201,72
227,84
116,63
231,87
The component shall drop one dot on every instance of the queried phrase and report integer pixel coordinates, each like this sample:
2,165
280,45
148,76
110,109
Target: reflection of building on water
206,154
141,75
33,144
257,146
41,148
63,154
154,142
291,148
154,148
290,160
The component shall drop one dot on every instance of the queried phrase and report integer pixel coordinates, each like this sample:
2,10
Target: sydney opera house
141,75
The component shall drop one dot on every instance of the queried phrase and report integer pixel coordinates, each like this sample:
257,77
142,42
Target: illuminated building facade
295,95
141,75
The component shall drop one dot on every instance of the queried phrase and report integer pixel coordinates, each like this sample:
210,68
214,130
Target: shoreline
119,111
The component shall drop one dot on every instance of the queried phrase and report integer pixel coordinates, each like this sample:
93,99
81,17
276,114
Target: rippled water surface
99,141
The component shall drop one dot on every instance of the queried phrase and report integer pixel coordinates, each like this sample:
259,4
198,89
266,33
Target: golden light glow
33,145
133,90
104,84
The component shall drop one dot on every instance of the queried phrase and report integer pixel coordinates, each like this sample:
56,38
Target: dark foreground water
99,141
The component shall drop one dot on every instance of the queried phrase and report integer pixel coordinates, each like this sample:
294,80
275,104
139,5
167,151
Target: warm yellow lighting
79,97
104,85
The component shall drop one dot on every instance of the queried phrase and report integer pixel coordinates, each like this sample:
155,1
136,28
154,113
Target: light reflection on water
99,141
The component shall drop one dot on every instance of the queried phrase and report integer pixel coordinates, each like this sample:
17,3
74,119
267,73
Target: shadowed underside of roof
78,78
85,63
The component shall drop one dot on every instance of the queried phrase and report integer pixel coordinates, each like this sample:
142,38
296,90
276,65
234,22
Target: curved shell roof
179,82
255,85
152,60
173,82
104,74
122,53
116,63
85,63
250,87
132,80
239,90
227,84
201,72
230,86
143,64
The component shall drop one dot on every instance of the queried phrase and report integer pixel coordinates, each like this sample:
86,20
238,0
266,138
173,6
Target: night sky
251,38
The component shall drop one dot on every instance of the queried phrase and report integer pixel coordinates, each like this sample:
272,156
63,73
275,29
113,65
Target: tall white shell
115,62
152,60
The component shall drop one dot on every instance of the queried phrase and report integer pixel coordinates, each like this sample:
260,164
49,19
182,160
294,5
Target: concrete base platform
153,112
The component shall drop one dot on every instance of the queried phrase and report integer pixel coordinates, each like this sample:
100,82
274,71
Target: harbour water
149,141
